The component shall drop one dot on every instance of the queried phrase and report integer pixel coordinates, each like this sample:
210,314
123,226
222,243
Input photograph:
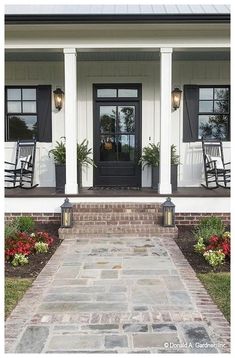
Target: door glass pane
206,106
205,93
14,94
128,92
107,119
126,147
29,94
108,151
107,92
14,107
126,116
23,127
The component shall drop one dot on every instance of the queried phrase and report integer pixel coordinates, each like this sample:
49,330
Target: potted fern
59,155
151,157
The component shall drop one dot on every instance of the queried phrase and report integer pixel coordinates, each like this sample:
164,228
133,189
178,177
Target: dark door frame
117,101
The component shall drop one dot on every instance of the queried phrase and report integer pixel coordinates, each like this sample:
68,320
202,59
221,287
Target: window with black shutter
206,113
28,113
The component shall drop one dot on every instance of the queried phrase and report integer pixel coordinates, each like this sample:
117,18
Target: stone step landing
117,219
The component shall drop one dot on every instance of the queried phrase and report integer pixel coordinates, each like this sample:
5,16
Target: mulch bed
36,261
185,241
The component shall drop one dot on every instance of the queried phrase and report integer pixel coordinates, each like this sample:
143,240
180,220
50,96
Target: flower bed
212,241
46,236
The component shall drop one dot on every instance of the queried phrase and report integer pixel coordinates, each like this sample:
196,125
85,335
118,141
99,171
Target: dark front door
117,135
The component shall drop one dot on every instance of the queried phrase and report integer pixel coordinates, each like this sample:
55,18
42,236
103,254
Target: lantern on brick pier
67,214
168,213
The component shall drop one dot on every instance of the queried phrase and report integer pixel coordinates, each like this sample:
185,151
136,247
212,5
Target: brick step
106,229
118,231
113,216
127,208
118,222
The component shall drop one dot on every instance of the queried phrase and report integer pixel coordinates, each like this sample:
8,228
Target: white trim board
182,204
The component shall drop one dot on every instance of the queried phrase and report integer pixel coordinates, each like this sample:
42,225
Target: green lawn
218,286
14,291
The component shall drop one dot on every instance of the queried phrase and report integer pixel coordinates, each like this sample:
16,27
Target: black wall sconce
58,98
176,98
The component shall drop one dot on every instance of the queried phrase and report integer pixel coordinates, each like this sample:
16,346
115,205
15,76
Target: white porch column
165,120
70,74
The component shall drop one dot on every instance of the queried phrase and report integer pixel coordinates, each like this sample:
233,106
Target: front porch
183,192
156,67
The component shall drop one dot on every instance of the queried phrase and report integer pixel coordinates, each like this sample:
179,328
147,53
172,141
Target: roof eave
110,18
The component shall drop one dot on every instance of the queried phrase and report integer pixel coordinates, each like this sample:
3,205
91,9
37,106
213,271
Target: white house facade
121,65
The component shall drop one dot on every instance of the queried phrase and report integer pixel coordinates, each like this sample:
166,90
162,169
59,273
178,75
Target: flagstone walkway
117,296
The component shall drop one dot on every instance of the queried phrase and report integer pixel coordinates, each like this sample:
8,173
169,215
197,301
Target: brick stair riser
155,229
117,208
113,222
114,217
117,235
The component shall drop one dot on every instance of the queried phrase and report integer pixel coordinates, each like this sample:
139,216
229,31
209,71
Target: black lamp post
58,98
168,213
66,214
176,98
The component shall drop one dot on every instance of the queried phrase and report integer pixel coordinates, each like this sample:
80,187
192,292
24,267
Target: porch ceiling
120,55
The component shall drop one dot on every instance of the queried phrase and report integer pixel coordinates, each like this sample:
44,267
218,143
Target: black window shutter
44,113
190,113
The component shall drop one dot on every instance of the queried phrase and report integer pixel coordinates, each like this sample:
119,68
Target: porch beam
70,76
165,120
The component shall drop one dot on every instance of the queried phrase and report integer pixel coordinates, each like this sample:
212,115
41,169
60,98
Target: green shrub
20,259
10,230
199,247
214,258
25,224
208,227
41,247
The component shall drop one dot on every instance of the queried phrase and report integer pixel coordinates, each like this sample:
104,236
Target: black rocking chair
217,174
21,172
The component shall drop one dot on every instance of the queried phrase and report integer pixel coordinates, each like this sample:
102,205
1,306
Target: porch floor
115,192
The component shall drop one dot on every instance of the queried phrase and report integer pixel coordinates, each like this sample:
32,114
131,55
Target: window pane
205,93
221,107
14,107
22,127
126,116
29,94
14,94
206,106
126,147
108,150
107,119
213,126
222,93
107,92
29,107
127,92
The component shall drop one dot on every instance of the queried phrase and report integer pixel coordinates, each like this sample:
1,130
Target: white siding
147,73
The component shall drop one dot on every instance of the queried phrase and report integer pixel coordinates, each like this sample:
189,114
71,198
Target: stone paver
111,295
